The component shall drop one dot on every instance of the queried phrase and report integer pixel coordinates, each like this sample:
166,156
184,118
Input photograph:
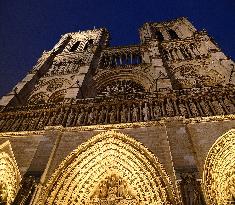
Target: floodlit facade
144,124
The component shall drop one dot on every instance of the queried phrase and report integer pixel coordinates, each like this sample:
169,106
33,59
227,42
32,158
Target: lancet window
181,52
173,34
75,46
159,36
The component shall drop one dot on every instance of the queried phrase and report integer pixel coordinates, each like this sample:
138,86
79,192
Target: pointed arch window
173,34
159,36
75,46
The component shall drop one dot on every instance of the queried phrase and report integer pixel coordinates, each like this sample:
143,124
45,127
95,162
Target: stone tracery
107,156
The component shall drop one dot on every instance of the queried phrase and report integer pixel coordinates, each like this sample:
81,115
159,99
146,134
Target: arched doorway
110,168
9,175
219,171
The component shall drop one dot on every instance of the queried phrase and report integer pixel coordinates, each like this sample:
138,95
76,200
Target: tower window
75,46
173,34
159,36
88,43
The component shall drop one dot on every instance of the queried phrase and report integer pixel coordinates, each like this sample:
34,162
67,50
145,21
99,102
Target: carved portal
9,176
219,171
111,168
113,190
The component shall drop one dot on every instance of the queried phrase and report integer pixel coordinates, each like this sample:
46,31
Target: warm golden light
106,156
219,171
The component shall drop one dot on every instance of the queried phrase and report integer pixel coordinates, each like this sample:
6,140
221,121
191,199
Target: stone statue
193,108
41,121
81,117
92,116
146,112
124,114
205,108
190,190
134,114
183,109
16,124
60,117
3,194
112,115
102,115
113,190
157,112
231,188
169,108
217,107
70,118
229,106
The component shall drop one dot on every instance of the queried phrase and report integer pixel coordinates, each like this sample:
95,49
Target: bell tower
59,74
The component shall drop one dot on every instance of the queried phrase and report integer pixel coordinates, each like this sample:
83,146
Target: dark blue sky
29,27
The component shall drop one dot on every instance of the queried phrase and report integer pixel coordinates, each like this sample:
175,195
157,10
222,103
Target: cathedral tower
151,123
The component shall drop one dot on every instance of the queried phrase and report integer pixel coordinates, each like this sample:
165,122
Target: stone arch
139,77
38,98
219,171
103,157
57,96
9,175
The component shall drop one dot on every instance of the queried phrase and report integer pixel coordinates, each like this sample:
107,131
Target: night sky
29,27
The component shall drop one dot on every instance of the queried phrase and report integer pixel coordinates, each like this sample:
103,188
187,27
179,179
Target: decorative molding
219,171
109,153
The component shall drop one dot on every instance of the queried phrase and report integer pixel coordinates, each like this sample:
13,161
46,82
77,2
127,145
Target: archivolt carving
219,171
53,84
141,77
38,98
9,177
110,167
57,96
189,75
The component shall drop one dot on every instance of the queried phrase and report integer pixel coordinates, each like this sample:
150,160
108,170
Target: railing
136,107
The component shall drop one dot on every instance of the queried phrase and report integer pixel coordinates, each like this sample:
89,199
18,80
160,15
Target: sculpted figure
102,115
205,108
134,114
81,117
193,108
33,120
183,110
16,124
217,107
157,112
60,117
3,194
229,105
124,114
41,121
146,112
112,115
52,118
169,108
70,118
231,188
92,116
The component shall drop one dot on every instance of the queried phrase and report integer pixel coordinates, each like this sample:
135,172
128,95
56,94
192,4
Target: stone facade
94,124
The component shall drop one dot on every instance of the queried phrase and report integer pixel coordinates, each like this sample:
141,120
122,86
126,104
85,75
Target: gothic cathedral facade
145,124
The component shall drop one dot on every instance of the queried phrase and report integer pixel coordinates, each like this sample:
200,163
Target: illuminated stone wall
157,108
